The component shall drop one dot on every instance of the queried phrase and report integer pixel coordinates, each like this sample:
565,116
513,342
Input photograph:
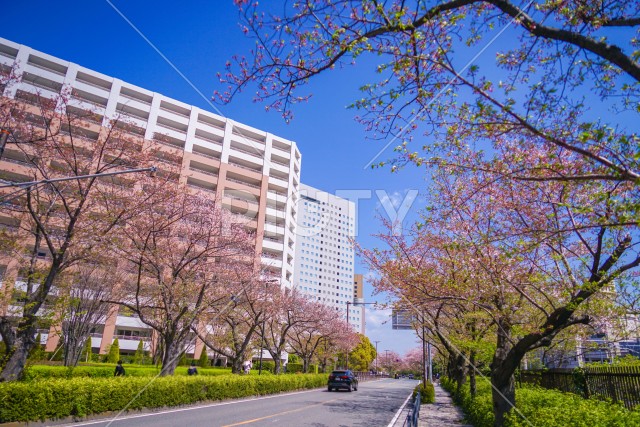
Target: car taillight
344,377
331,377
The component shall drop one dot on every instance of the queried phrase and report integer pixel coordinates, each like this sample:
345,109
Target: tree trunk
73,351
503,393
236,365
472,373
502,379
24,342
171,357
460,372
277,365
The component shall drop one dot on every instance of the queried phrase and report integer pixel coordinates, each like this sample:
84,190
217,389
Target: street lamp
30,184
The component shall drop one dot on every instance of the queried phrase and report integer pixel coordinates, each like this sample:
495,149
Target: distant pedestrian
246,366
119,370
192,369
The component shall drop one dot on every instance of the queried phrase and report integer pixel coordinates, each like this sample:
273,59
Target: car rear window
338,372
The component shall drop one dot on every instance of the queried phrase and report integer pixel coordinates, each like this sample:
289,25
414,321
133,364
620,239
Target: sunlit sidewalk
443,413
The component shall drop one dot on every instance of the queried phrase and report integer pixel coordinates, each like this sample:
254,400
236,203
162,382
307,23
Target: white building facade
252,172
324,257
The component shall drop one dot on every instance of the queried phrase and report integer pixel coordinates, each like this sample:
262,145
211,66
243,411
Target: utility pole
377,356
430,377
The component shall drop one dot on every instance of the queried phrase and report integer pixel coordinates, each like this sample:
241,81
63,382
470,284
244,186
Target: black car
343,379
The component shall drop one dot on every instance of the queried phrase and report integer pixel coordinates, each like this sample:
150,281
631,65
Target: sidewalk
443,413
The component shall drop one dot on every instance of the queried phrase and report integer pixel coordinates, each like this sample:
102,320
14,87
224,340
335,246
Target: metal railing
414,413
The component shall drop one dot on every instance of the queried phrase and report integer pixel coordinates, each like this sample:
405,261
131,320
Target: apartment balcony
281,149
15,171
275,213
176,123
271,229
207,153
170,135
211,122
30,96
272,243
199,168
134,102
43,77
278,185
201,185
175,112
89,98
209,137
243,167
271,262
130,322
248,135
165,140
91,88
277,196
38,91
249,147
239,186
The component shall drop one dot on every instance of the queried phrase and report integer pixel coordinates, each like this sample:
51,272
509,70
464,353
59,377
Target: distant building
324,259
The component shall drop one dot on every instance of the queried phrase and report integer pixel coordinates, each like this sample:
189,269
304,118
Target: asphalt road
374,404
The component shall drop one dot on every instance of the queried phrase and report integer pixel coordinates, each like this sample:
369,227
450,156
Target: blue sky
198,37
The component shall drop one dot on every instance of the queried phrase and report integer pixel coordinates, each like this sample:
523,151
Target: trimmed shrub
43,372
294,368
267,365
427,392
114,352
545,408
138,357
58,398
203,361
313,369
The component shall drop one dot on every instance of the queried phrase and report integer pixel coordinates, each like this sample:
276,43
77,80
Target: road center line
279,413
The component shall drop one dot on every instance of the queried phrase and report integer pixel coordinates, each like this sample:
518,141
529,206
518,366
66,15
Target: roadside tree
55,225
181,255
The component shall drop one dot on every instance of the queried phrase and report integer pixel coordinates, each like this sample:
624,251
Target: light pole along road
376,403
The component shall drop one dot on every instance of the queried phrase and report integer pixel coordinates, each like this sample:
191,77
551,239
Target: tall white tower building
324,260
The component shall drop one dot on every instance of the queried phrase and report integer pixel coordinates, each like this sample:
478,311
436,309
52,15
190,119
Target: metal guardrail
414,414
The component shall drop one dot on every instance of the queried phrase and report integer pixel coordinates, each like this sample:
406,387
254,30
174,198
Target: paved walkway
443,413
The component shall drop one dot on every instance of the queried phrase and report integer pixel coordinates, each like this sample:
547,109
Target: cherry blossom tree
55,225
323,331
288,309
530,257
80,303
232,330
182,254
553,62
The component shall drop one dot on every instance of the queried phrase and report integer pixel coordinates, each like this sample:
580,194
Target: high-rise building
324,260
252,172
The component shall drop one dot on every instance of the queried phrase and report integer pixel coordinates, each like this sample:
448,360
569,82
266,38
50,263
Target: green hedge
427,392
293,368
267,365
544,408
40,372
58,398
